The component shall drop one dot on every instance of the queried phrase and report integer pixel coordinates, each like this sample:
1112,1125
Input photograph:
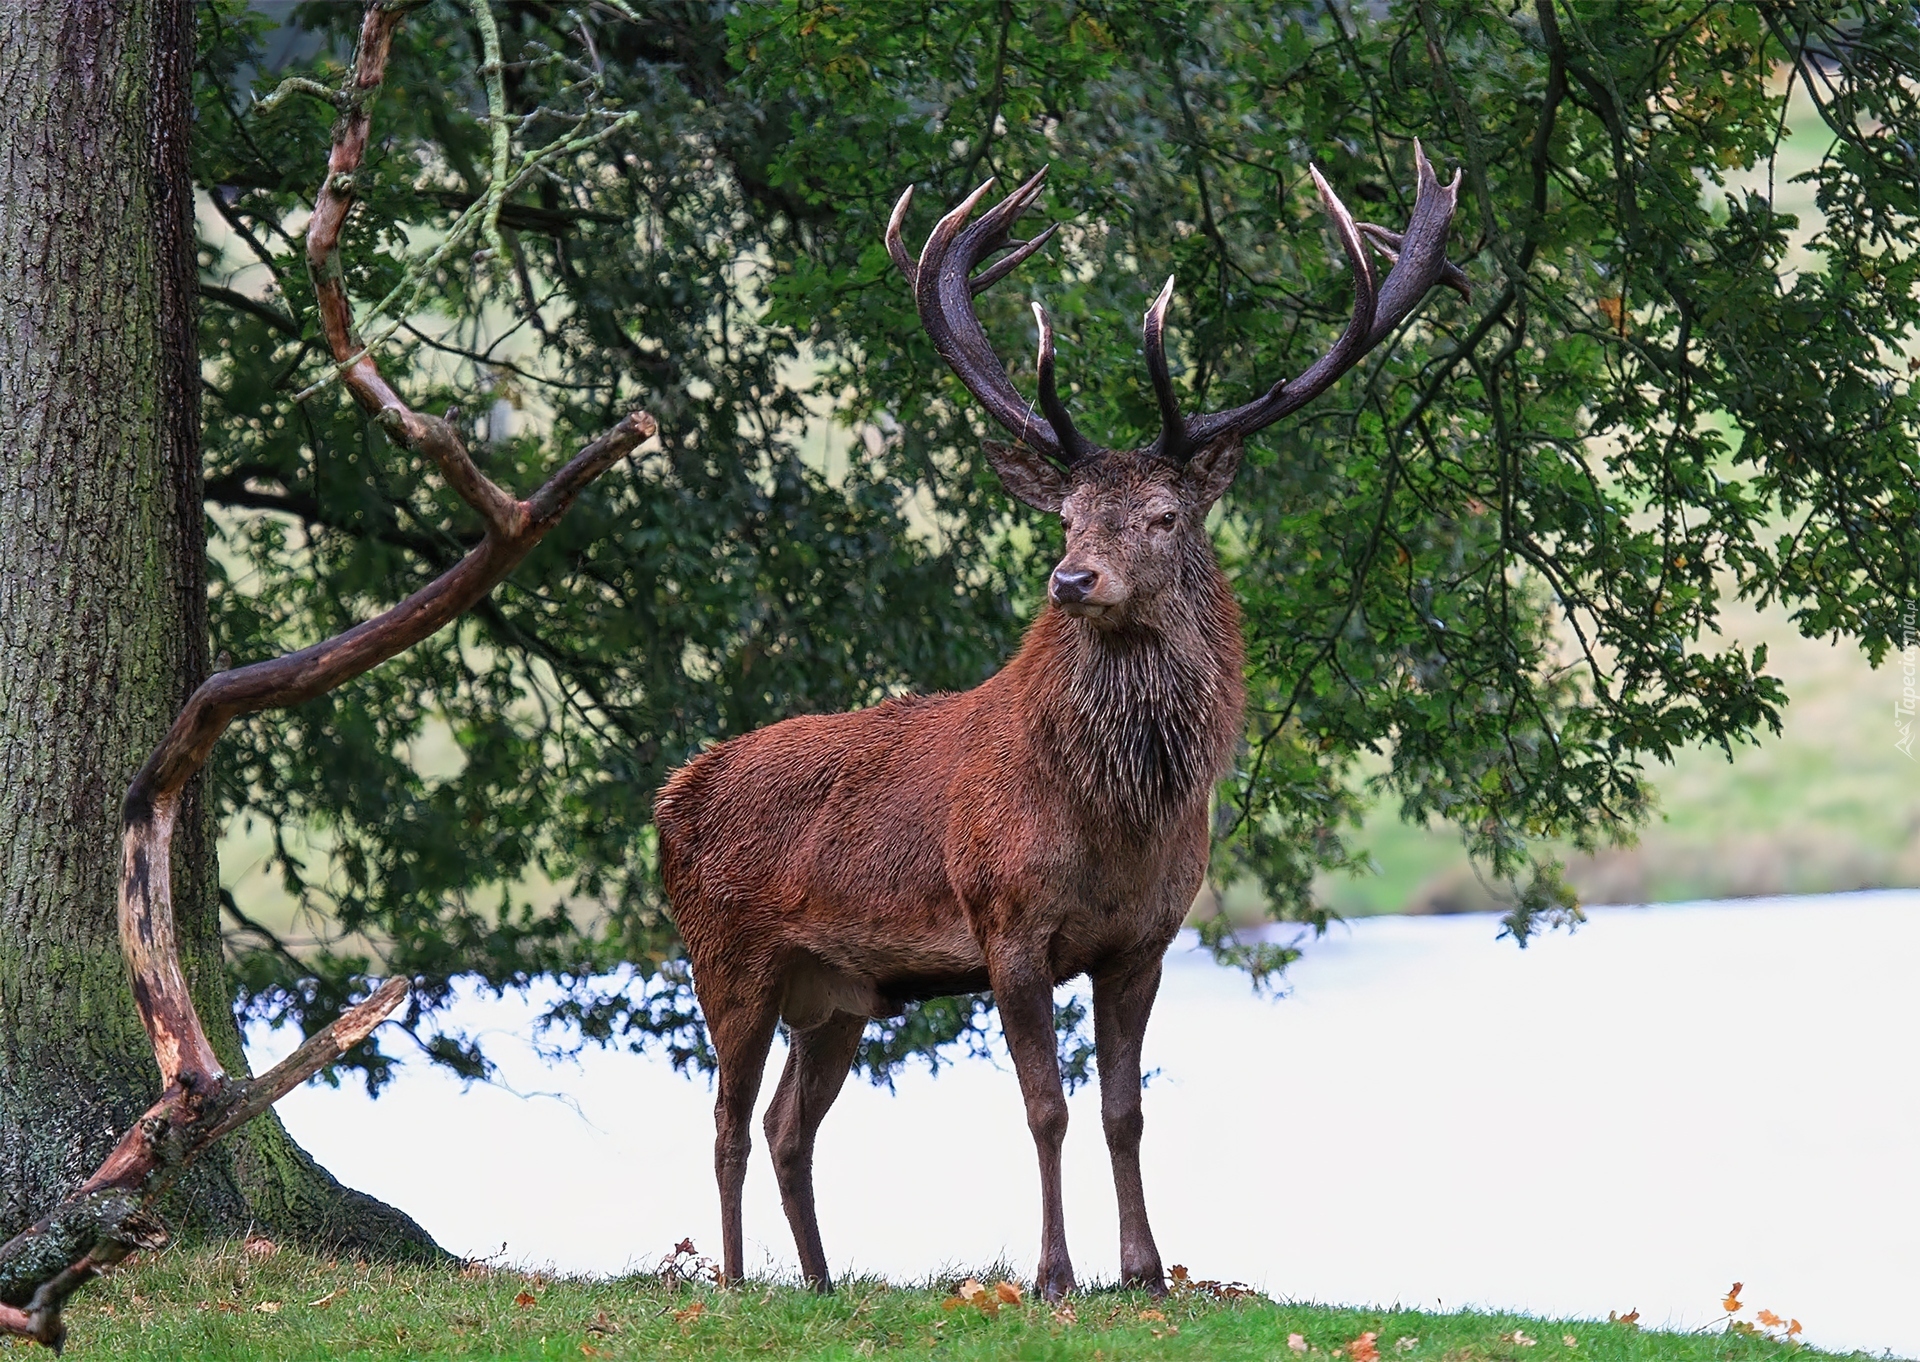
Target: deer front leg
1122,999
1024,994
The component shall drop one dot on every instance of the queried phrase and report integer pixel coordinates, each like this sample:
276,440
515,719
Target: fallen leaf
1405,1344
526,1299
1520,1340
229,1308
1008,1293
1570,1340
1362,1349
267,1308
259,1246
1296,1343
1177,1272
1063,1313
324,1301
690,1314
1152,1315
589,1350
952,1303
685,1246
1631,1319
1771,1320
1731,1301
1793,1327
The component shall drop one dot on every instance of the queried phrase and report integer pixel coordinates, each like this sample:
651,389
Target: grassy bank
256,1302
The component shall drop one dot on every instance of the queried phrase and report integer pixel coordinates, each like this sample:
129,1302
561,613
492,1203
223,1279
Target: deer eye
1066,524
1167,520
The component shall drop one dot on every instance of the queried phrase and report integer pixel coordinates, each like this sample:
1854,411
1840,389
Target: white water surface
1670,1100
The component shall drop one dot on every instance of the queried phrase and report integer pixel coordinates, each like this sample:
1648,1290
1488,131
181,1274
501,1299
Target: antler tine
1419,254
943,289
1419,257
1172,444
1290,395
898,248
1006,264
1073,445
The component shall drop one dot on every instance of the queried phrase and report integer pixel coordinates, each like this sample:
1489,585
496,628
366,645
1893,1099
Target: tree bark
103,615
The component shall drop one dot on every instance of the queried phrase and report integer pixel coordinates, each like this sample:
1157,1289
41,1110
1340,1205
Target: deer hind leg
740,1024
817,1066
1024,994
1122,1000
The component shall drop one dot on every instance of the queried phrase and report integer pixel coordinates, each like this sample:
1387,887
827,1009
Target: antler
1419,257
944,287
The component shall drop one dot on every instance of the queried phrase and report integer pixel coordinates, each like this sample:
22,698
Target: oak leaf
526,1299
1008,1293
1362,1349
1731,1301
1768,1318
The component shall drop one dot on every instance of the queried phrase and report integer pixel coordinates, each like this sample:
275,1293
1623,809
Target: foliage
240,1301
1481,576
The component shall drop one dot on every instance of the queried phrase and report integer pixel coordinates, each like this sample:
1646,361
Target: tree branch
107,1217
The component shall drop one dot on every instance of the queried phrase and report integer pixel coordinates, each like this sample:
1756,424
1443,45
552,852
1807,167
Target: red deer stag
1049,823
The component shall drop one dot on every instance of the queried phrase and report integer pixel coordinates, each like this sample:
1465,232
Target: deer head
1134,519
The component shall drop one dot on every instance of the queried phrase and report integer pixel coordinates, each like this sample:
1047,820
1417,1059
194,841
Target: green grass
224,1302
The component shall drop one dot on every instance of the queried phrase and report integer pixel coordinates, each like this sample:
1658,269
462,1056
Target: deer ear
1027,476
1209,473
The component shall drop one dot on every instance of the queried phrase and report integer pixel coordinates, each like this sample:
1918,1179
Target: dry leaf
328,1299
690,1314
1296,1343
1405,1344
952,1303
1063,1314
1521,1340
1793,1327
1362,1349
1570,1340
267,1308
259,1246
589,1350
229,1308
474,1268
1771,1320
602,1325
1152,1315
1631,1318
1616,313
526,1299
1008,1293
1178,1273
1731,1301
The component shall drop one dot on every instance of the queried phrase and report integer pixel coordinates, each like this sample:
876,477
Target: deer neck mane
1142,717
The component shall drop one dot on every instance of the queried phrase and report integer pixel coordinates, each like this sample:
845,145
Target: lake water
1670,1100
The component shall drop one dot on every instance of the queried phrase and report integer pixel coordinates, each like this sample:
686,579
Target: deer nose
1073,584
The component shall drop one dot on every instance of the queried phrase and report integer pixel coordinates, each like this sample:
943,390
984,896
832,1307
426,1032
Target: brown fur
1051,822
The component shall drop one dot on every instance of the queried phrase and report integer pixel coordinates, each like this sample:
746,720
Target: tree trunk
103,614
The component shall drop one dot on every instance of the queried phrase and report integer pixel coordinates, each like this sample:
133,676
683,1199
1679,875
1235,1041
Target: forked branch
108,1216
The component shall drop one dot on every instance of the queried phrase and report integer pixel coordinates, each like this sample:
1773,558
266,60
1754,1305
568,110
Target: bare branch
107,1218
